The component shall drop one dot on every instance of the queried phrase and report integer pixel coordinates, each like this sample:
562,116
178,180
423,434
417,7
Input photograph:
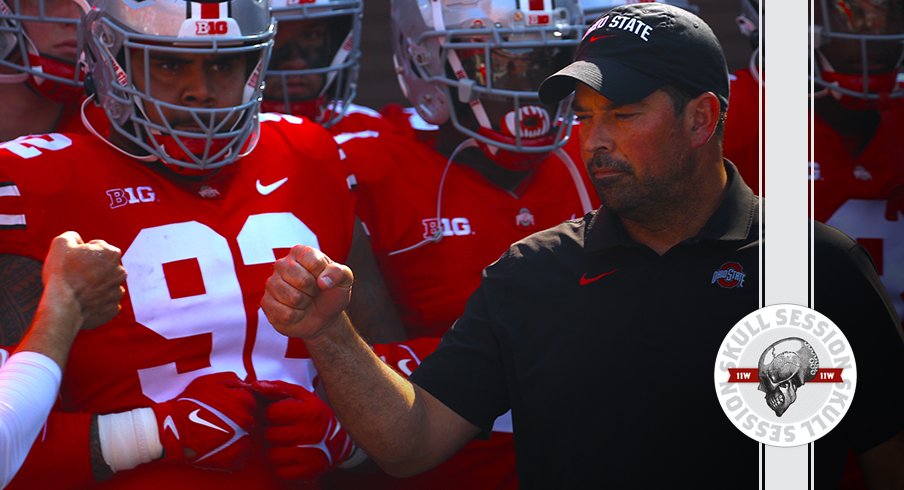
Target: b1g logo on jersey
729,275
785,375
130,195
449,227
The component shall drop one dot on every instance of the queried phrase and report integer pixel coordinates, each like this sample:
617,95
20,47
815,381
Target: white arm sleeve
28,388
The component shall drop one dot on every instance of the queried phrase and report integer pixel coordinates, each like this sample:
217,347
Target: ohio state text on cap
632,50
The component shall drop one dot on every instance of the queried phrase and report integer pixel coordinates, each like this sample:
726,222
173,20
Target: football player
857,170
475,164
742,135
203,194
40,85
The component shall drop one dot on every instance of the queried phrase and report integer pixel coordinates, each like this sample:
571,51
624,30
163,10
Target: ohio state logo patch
785,375
729,275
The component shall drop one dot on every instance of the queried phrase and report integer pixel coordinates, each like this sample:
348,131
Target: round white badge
785,375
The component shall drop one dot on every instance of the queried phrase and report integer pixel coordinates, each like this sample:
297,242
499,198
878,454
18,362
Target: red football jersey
398,180
197,255
741,139
860,194
398,174
863,194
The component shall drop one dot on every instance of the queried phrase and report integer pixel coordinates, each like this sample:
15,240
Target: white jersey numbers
866,221
28,146
163,263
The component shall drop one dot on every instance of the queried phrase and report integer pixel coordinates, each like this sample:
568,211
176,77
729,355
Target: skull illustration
784,367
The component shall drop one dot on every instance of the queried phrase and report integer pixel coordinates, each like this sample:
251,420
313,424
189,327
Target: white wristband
129,439
357,457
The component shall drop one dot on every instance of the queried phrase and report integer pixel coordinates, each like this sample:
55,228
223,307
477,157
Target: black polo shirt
604,350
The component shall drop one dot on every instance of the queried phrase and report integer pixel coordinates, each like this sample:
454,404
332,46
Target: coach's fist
306,293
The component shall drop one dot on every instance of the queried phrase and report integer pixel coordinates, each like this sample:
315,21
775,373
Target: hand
306,293
405,356
208,424
90,274
304,437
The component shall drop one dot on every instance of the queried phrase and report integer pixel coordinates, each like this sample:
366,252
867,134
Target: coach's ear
703,118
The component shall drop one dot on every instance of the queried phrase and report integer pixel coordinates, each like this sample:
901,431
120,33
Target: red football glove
304,437
208,424
405,356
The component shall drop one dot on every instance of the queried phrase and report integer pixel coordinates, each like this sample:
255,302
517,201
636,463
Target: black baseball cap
632,50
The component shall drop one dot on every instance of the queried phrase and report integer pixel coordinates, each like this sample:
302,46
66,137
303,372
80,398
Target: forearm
59,458
55,326
380,409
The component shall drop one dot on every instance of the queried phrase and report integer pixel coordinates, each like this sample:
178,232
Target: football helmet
136,50
316,54
51,70
479,63
594,9
859,51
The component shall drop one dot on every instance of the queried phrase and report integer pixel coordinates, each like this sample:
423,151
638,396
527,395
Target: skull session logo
785,375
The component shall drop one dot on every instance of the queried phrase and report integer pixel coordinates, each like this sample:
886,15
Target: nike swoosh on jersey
588,280
269,188
194,417
169,424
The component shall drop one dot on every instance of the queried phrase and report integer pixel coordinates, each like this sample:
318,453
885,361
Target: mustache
603,160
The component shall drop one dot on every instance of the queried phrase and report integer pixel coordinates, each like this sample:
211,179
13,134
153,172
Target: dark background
377,83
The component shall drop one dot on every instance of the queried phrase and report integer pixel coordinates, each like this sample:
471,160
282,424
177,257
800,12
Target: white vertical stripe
9,190
12,219
786,264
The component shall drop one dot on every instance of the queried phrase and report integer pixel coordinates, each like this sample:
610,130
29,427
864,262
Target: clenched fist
90,274
306,293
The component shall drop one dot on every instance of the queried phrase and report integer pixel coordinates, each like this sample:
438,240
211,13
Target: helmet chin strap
438,234
580,188
14,78
95,132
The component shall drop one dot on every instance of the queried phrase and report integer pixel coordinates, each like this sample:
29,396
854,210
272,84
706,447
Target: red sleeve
60,457
405,356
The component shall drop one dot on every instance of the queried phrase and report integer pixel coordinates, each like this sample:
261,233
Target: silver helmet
38,43
479,63
316,54
859,49
128,44
594,9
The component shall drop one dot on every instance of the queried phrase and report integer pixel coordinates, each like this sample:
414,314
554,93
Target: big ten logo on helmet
211,27
785,375
449,227
130,195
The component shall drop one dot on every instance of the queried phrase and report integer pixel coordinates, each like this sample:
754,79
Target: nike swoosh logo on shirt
169,424
194,417
587,280
267,189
